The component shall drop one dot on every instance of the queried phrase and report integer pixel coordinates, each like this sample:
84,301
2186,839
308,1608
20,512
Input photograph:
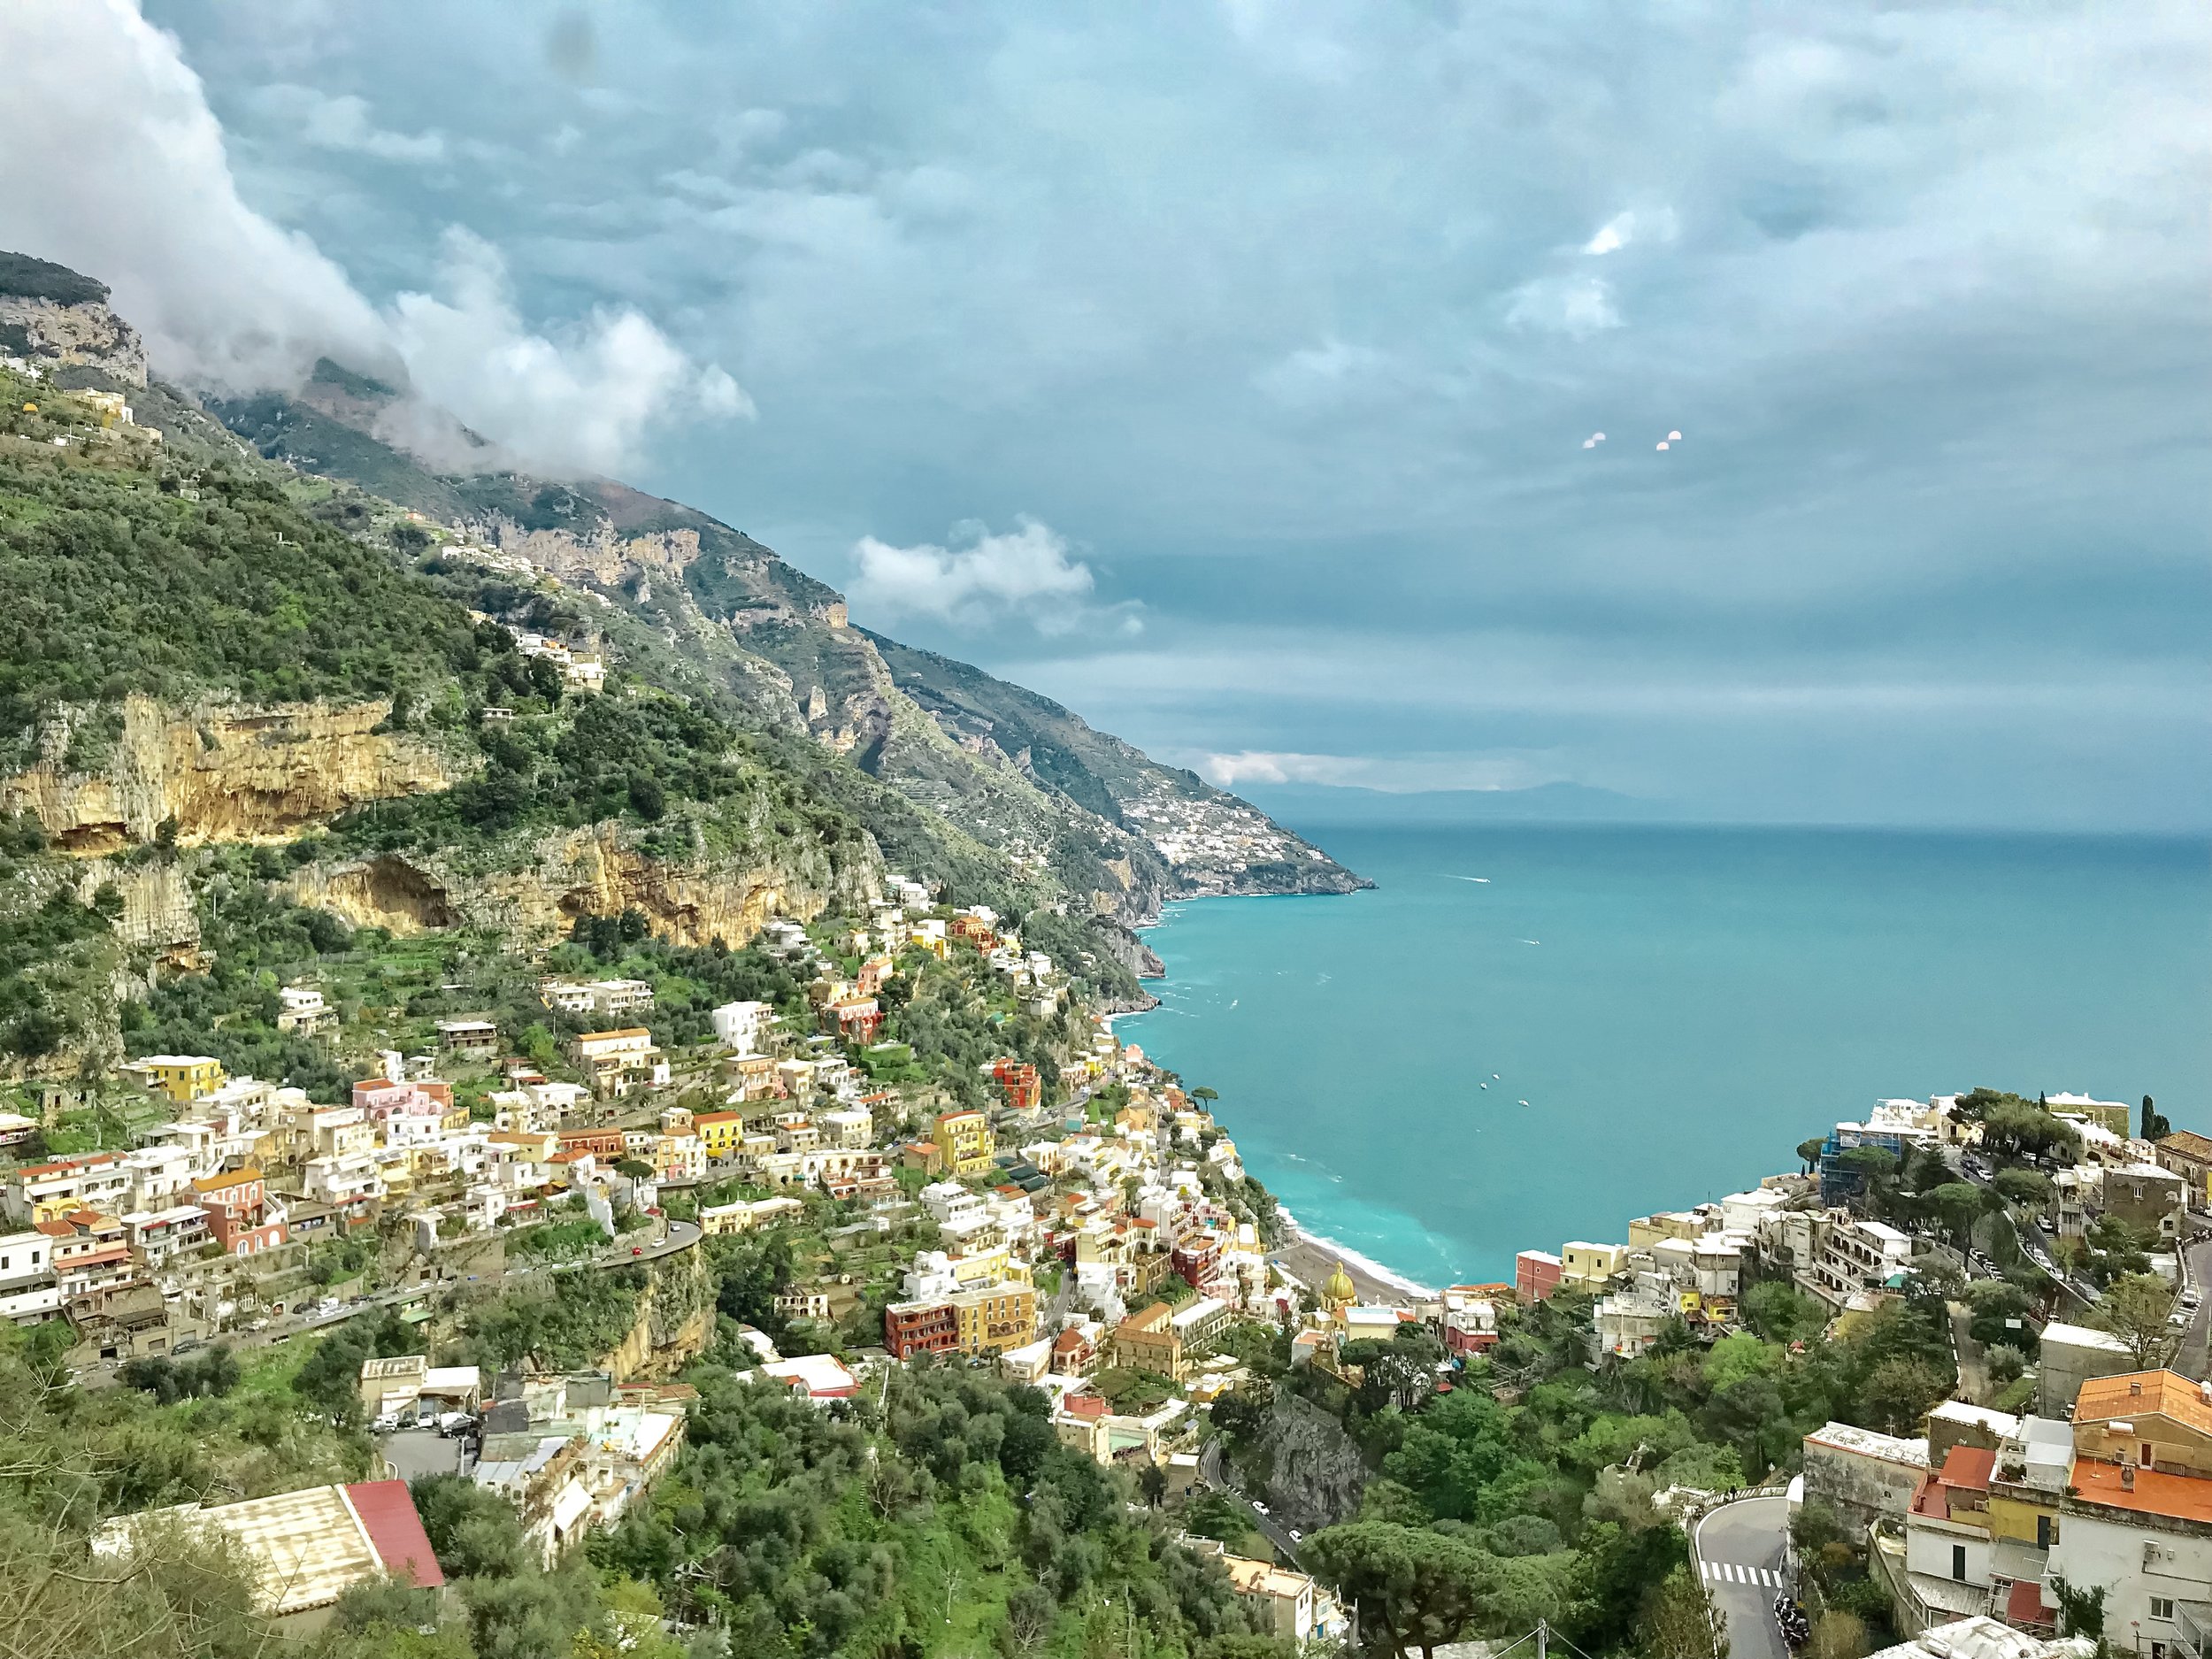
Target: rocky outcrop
602,554
1315,1472
89,336
157,913
601,871
220,773
675,1322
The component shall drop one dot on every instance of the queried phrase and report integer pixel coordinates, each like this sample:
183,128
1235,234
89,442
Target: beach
1310,1260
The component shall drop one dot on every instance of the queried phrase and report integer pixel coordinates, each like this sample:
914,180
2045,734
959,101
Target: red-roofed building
387,1513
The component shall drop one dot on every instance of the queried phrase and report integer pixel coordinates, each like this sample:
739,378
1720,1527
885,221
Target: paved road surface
2191,1361
1738,1549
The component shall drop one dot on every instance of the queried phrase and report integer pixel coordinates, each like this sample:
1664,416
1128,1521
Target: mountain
1018,773
484,703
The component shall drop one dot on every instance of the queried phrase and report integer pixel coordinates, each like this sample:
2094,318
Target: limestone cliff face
89,334
223,773
158,913
602,554
602,870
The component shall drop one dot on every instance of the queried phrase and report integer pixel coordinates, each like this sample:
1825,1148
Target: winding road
1740,1551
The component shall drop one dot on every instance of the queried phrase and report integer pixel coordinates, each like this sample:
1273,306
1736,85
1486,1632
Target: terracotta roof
1969,1466
387,1515
627,1031
2189,1145
1085,1405
2179,1497
2135,1393
229,1177
2024,1603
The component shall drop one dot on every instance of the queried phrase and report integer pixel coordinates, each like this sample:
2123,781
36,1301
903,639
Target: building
468,1036
1148,1340
2190,1157
179,1078
609,997
1199,1325
929,1326
1536,1276
312,1546
617,1062
742,1027
964,1139
1283,1601
38,1192
1591,1267
813,1377
2071,1356
1863,1475
2135,1516
302,1009
1024,1089
1852,1261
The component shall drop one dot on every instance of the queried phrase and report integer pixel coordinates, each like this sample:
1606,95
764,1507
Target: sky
1233,371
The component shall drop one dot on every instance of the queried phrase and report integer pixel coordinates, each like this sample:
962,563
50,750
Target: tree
1897,1394
1680,1621
1417,1587
1958,1202
1808,1153
2030,1189
2135,1309
2080,1609
2155,1124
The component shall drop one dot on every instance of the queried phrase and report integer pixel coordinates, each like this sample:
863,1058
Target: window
2046,1531
2161,1606
1958,1563
2148,1456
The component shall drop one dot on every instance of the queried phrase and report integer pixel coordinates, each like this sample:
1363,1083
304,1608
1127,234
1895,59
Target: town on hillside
1082,1226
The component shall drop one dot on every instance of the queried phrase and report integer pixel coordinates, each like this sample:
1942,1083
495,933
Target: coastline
1308,1257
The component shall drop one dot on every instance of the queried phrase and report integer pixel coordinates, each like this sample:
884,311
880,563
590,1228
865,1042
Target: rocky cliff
218,773
535,892
54,317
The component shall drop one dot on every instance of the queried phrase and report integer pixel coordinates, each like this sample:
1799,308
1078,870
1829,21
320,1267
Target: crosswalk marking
1735,1572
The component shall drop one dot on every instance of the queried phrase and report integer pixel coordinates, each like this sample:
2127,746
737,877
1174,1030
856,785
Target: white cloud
343,123
1026,571
1624,229
1319,374
1485,771
579,402
1575,306
116,168
229,300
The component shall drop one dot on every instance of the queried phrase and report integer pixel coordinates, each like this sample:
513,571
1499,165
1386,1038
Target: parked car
455,1423
385,1424
1258,1507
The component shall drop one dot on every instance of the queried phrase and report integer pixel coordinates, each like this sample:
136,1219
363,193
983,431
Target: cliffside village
1065,1243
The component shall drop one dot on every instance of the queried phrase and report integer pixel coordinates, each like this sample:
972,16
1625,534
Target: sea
1527,1034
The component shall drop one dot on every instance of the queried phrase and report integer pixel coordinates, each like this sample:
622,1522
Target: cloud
229,300
117,167
1316,375
1624,229
342,123
1575,306
1403,774
1025,572
577,403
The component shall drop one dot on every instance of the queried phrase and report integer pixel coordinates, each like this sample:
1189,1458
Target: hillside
1015,770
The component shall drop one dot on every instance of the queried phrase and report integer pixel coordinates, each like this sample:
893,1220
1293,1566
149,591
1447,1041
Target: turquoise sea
1679,1008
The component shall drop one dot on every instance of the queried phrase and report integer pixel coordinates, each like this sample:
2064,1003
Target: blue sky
1229,371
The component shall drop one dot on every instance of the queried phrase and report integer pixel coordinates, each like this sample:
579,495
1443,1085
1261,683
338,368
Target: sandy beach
1311,1263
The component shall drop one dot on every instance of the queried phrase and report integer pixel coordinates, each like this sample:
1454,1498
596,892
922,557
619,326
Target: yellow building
180,1078
964,1139
995,1318
1585,1266
719,1132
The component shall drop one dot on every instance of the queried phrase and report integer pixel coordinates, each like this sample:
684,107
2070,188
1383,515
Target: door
1958,1563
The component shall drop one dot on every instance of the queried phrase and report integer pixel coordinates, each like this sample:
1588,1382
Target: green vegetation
22,277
